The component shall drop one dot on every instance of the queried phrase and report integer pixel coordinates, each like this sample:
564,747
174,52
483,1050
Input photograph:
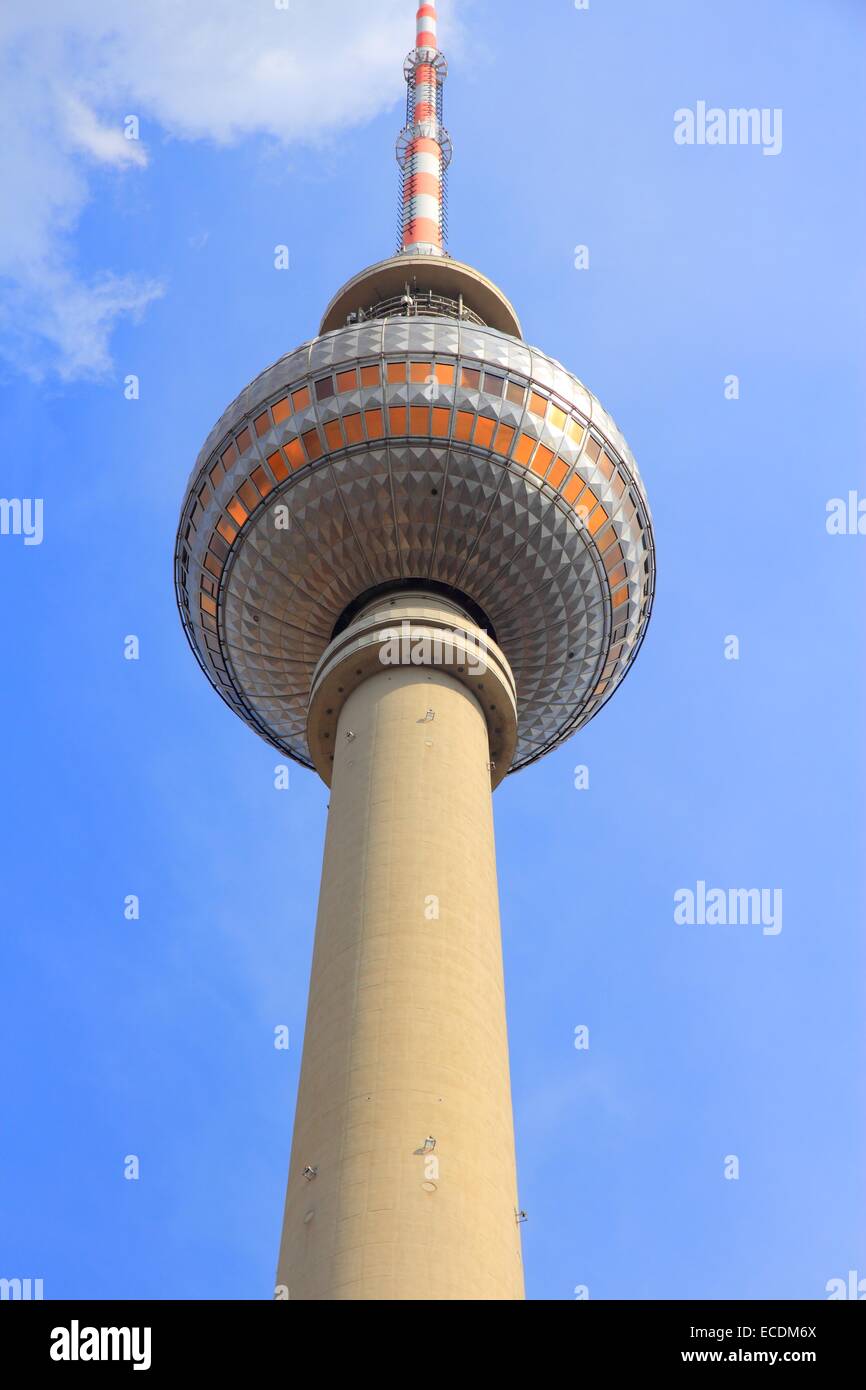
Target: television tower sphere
417,469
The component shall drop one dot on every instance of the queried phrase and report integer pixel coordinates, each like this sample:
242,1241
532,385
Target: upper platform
438,275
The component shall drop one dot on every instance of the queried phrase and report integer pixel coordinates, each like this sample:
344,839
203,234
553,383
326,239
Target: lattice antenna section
424,146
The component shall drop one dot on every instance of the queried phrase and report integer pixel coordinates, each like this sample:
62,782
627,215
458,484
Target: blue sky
154,1037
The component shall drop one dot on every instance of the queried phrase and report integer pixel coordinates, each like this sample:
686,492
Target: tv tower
416,555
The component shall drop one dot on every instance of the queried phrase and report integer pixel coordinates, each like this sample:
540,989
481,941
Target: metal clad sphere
422,449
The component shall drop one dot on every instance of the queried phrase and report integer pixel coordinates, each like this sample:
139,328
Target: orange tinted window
281,410
620,596
419,419
397,419
537,404
444,372
396,371
312,444
239,513
295,453
463,425
557,473
575,431
484,431
216,474
334,435
440,421
262,481
504,436
373,421
244,441
524,448
572,487
605,537
597,520
557,417
229,456
587,502
470,378
207,603
226,529
347,381
369,376
263,423
420,371
352,426
248,495
542,460
277,465
301,399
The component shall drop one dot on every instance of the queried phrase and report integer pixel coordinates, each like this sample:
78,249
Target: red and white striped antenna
424,146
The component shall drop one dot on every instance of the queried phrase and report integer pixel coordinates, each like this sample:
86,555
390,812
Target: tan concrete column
404,1104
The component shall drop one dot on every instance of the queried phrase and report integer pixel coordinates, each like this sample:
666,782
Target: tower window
493,384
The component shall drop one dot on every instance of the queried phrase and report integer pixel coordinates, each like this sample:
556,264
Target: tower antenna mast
424,146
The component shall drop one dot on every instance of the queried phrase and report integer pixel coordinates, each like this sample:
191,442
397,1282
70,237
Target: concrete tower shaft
404,1104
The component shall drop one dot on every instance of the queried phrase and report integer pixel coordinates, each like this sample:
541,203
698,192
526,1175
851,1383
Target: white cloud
217,70
105,144
63,325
